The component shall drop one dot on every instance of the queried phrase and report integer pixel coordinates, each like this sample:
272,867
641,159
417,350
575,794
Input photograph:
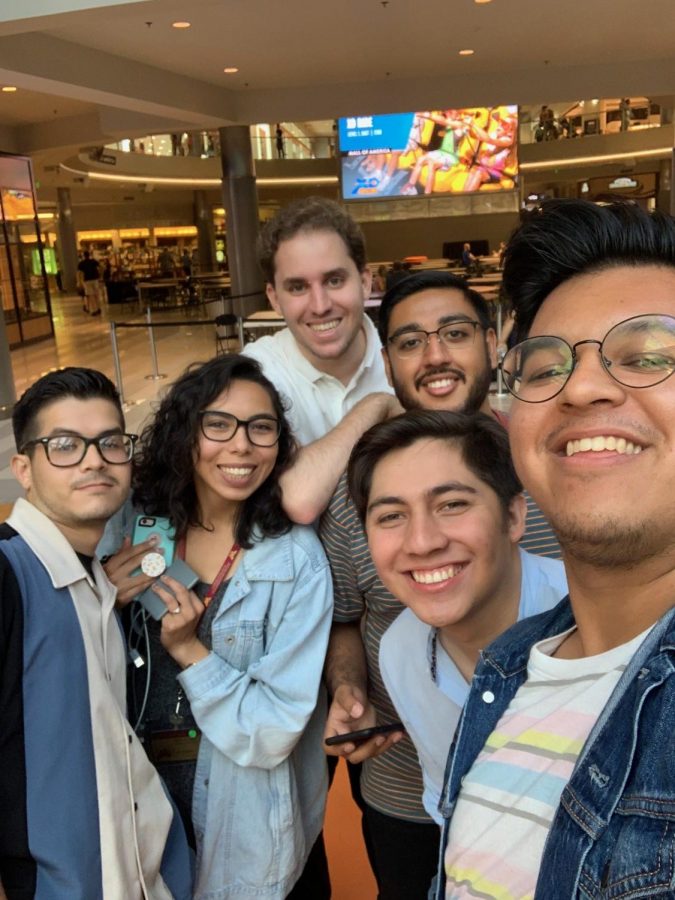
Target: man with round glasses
564,783
69,755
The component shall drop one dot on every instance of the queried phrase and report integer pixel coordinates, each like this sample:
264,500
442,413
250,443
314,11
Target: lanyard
222,573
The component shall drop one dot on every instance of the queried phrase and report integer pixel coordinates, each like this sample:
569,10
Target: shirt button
130,739
230,639
488,697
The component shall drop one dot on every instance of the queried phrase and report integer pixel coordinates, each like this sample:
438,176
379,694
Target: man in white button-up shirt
327,361
83,813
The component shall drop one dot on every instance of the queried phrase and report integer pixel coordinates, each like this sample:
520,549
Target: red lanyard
222,574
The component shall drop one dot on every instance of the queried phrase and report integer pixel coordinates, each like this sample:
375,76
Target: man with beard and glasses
439,351
83,813
562,782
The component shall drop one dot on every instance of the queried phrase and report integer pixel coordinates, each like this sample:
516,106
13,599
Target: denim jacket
261,782
613,835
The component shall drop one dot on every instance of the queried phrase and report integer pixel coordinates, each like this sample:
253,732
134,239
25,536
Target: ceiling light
181,24
9,89
482,1
230,70
466,52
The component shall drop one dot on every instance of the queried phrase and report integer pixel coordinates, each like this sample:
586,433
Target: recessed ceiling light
9,89
181,24
466,52
482,1
230,70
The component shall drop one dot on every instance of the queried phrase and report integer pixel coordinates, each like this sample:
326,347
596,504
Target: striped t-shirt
511,793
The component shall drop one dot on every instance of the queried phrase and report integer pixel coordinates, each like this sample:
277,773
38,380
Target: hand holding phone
351,711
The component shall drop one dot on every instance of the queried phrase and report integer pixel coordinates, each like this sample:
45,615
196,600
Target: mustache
439,370
98,479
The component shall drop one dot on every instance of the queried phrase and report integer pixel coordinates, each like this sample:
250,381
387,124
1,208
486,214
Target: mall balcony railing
206,144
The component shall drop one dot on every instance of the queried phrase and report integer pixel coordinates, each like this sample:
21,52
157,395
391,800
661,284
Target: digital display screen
429,153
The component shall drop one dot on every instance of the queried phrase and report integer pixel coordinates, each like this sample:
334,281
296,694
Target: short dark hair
310,214
73,381
424,281
481,440
570,237
163,479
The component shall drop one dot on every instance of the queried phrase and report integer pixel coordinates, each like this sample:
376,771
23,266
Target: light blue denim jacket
261,781
613,835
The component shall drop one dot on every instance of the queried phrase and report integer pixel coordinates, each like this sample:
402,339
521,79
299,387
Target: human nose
590,383
423,535
93,458
319,301
239,442
435,349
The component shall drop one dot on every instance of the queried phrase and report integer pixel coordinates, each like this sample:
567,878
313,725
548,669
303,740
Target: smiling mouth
436,576
237,471
600,443
436,381
324,326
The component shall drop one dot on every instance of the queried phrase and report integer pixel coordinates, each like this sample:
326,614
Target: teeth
325,326
440,383
600,442
238,471
437,575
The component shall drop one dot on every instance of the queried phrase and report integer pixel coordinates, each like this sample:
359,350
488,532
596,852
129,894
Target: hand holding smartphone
358,737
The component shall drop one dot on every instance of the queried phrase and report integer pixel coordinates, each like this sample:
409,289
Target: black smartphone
358,737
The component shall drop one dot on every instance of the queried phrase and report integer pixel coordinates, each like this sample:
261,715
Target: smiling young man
562,782
326,363
444,511
439,353
82,812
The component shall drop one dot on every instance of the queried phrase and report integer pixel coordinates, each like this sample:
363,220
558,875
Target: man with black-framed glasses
82,811
562,781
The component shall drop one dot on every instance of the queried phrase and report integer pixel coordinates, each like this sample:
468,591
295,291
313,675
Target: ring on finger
176,611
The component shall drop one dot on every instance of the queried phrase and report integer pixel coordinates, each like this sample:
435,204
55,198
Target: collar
304,367
48,544
269,560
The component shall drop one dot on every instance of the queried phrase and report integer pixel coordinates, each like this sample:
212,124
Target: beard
611,543
479,387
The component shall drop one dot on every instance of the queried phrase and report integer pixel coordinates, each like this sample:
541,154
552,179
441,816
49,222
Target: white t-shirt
512,792
430,710
317,402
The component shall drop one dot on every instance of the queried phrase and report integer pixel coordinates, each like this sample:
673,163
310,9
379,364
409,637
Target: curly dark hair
309,214
163,480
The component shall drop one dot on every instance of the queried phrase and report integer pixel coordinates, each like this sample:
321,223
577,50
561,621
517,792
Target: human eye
407,343
453,506
217,423
648,361
457,333
296,287
263,426
112,442
64,443
335,279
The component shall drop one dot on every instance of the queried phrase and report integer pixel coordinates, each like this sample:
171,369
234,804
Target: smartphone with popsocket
153,604
146,527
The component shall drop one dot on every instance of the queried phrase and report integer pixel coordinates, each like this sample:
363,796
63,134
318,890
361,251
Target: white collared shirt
317,401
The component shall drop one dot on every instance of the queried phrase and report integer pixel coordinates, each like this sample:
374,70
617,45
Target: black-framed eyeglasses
455,335
638,353
63,450
262,431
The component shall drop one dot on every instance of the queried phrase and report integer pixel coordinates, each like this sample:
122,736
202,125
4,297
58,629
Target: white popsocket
153,564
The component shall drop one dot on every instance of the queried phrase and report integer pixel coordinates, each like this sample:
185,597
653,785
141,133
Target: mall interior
151,130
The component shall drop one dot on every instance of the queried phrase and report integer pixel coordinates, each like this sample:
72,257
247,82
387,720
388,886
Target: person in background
166,264
88,274
625,113
563,766
240,657
186,263
443,511
380,280
82,811
281,150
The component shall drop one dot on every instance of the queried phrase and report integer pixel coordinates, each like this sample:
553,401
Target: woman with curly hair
239,658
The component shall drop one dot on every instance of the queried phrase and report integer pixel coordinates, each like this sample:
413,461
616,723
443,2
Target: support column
206,239
7,391
240,199
67,241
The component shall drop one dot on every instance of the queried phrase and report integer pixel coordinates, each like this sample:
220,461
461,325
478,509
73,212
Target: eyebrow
68,432
444,320
437,491
300,279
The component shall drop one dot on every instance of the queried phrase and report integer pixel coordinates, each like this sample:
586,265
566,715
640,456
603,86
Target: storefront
24,288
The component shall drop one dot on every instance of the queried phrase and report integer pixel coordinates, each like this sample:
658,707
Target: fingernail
153,539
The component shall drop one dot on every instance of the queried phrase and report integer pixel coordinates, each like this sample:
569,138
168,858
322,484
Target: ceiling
90,71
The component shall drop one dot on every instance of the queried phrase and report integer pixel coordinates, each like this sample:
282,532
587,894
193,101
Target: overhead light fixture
466,52
482,1
230,70
181,24
8,89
